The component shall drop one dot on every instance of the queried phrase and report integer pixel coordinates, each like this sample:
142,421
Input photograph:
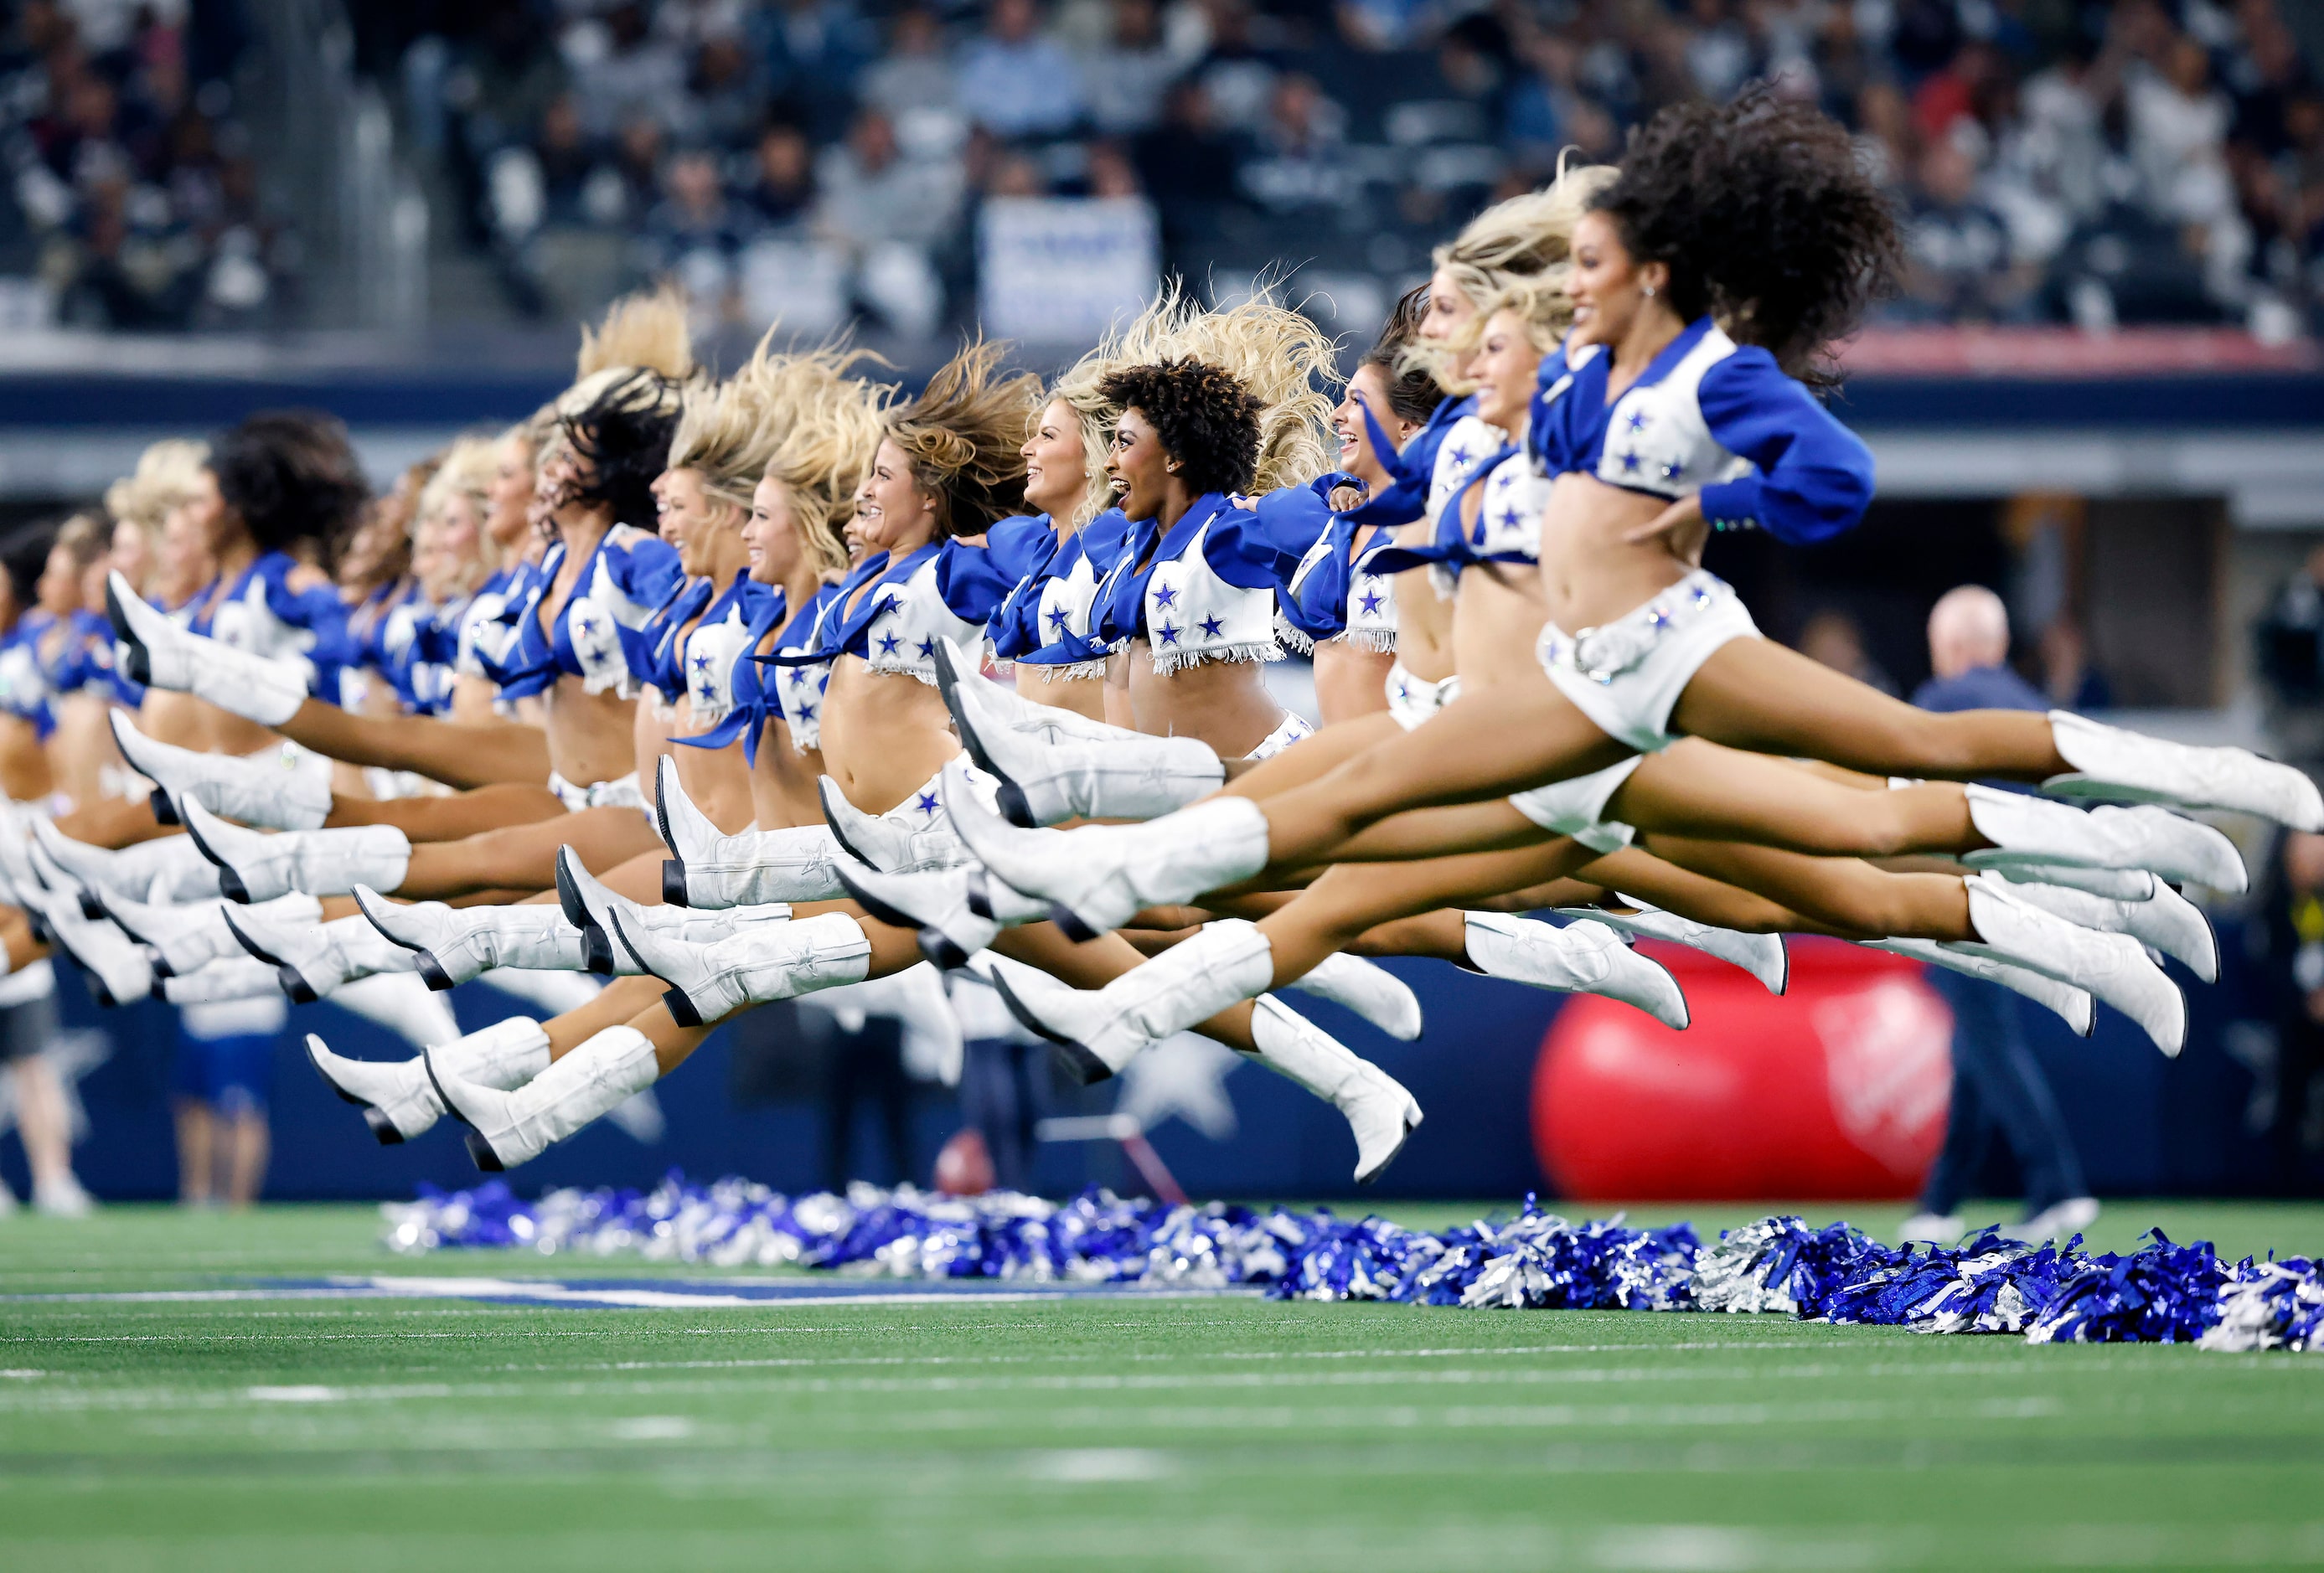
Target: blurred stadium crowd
2061,160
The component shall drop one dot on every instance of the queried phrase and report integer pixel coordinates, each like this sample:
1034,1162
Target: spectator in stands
2067,675
918,72
2178,135
782,184
816,52
695,234
1996,1081
1015,83
1126,78
1958,249
1236,72
1297,164
1833,639
2288,1102
629,73
727,98
572,191
637,166
871,193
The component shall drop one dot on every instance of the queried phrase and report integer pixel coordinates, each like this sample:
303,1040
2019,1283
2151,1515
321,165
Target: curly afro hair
292,475
1763,216
1207,420
624,434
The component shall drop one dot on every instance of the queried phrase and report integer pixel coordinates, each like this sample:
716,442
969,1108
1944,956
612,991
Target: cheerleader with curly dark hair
1680,414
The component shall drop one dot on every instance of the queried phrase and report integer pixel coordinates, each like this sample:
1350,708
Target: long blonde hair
1281,358
468,468
1509,246
963,437
831,424
167,474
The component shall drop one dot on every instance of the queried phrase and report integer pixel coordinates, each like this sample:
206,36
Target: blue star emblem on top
887,604
1636,420
1169,634
888,643
1459,455
1057,620
1211,626
927,803
927,649
700,662
1164,596
1370,601
1629,463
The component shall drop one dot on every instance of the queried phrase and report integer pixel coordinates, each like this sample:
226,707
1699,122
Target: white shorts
1627,676
1293,728
1412,700
1576,808
924,809
623,791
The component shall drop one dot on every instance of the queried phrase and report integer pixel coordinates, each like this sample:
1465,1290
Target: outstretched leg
458,753
466,813
524,856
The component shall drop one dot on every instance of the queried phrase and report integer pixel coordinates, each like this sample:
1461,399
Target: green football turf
342,1436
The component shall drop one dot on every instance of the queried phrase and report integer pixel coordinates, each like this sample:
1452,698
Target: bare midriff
1590,575
1496,619
592,736
1224,703
1042,685
884,734
717,780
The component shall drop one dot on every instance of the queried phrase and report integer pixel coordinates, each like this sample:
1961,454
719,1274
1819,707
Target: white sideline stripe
548,1291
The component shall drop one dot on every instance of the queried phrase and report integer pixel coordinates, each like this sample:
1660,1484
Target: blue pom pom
2160,1292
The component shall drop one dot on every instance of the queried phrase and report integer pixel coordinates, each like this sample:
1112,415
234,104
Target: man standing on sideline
1997,1082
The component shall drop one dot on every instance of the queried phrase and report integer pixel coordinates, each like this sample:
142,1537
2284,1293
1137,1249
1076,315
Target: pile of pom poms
2161,1293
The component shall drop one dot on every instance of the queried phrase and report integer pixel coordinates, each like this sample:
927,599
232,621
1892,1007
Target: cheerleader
935,481
626,398
1612,537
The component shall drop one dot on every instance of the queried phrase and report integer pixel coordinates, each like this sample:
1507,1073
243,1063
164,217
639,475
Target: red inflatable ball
1835,1091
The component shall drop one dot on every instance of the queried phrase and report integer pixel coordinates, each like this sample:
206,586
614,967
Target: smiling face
1056,467
1449,309
1504,368
689,519
447,549
770,534
1138,465
1609,288
131,552
892,514
206,511
57,591
1367,390
512,493
185,565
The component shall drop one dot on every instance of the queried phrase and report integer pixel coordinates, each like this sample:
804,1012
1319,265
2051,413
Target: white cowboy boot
1099,876
2109,762
228,978
317,959
398,1100
284,787
709,868
1761,955
158,653
1045,782
1586,957
2025,832
116,965
886,841
996,704
779,961
454,944
2073,1005
255,866
588,906
1367,989
1100,1030
2166,920
186,937
507,1128
958,912
167,868
1378,1110
402,1003
2113,967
